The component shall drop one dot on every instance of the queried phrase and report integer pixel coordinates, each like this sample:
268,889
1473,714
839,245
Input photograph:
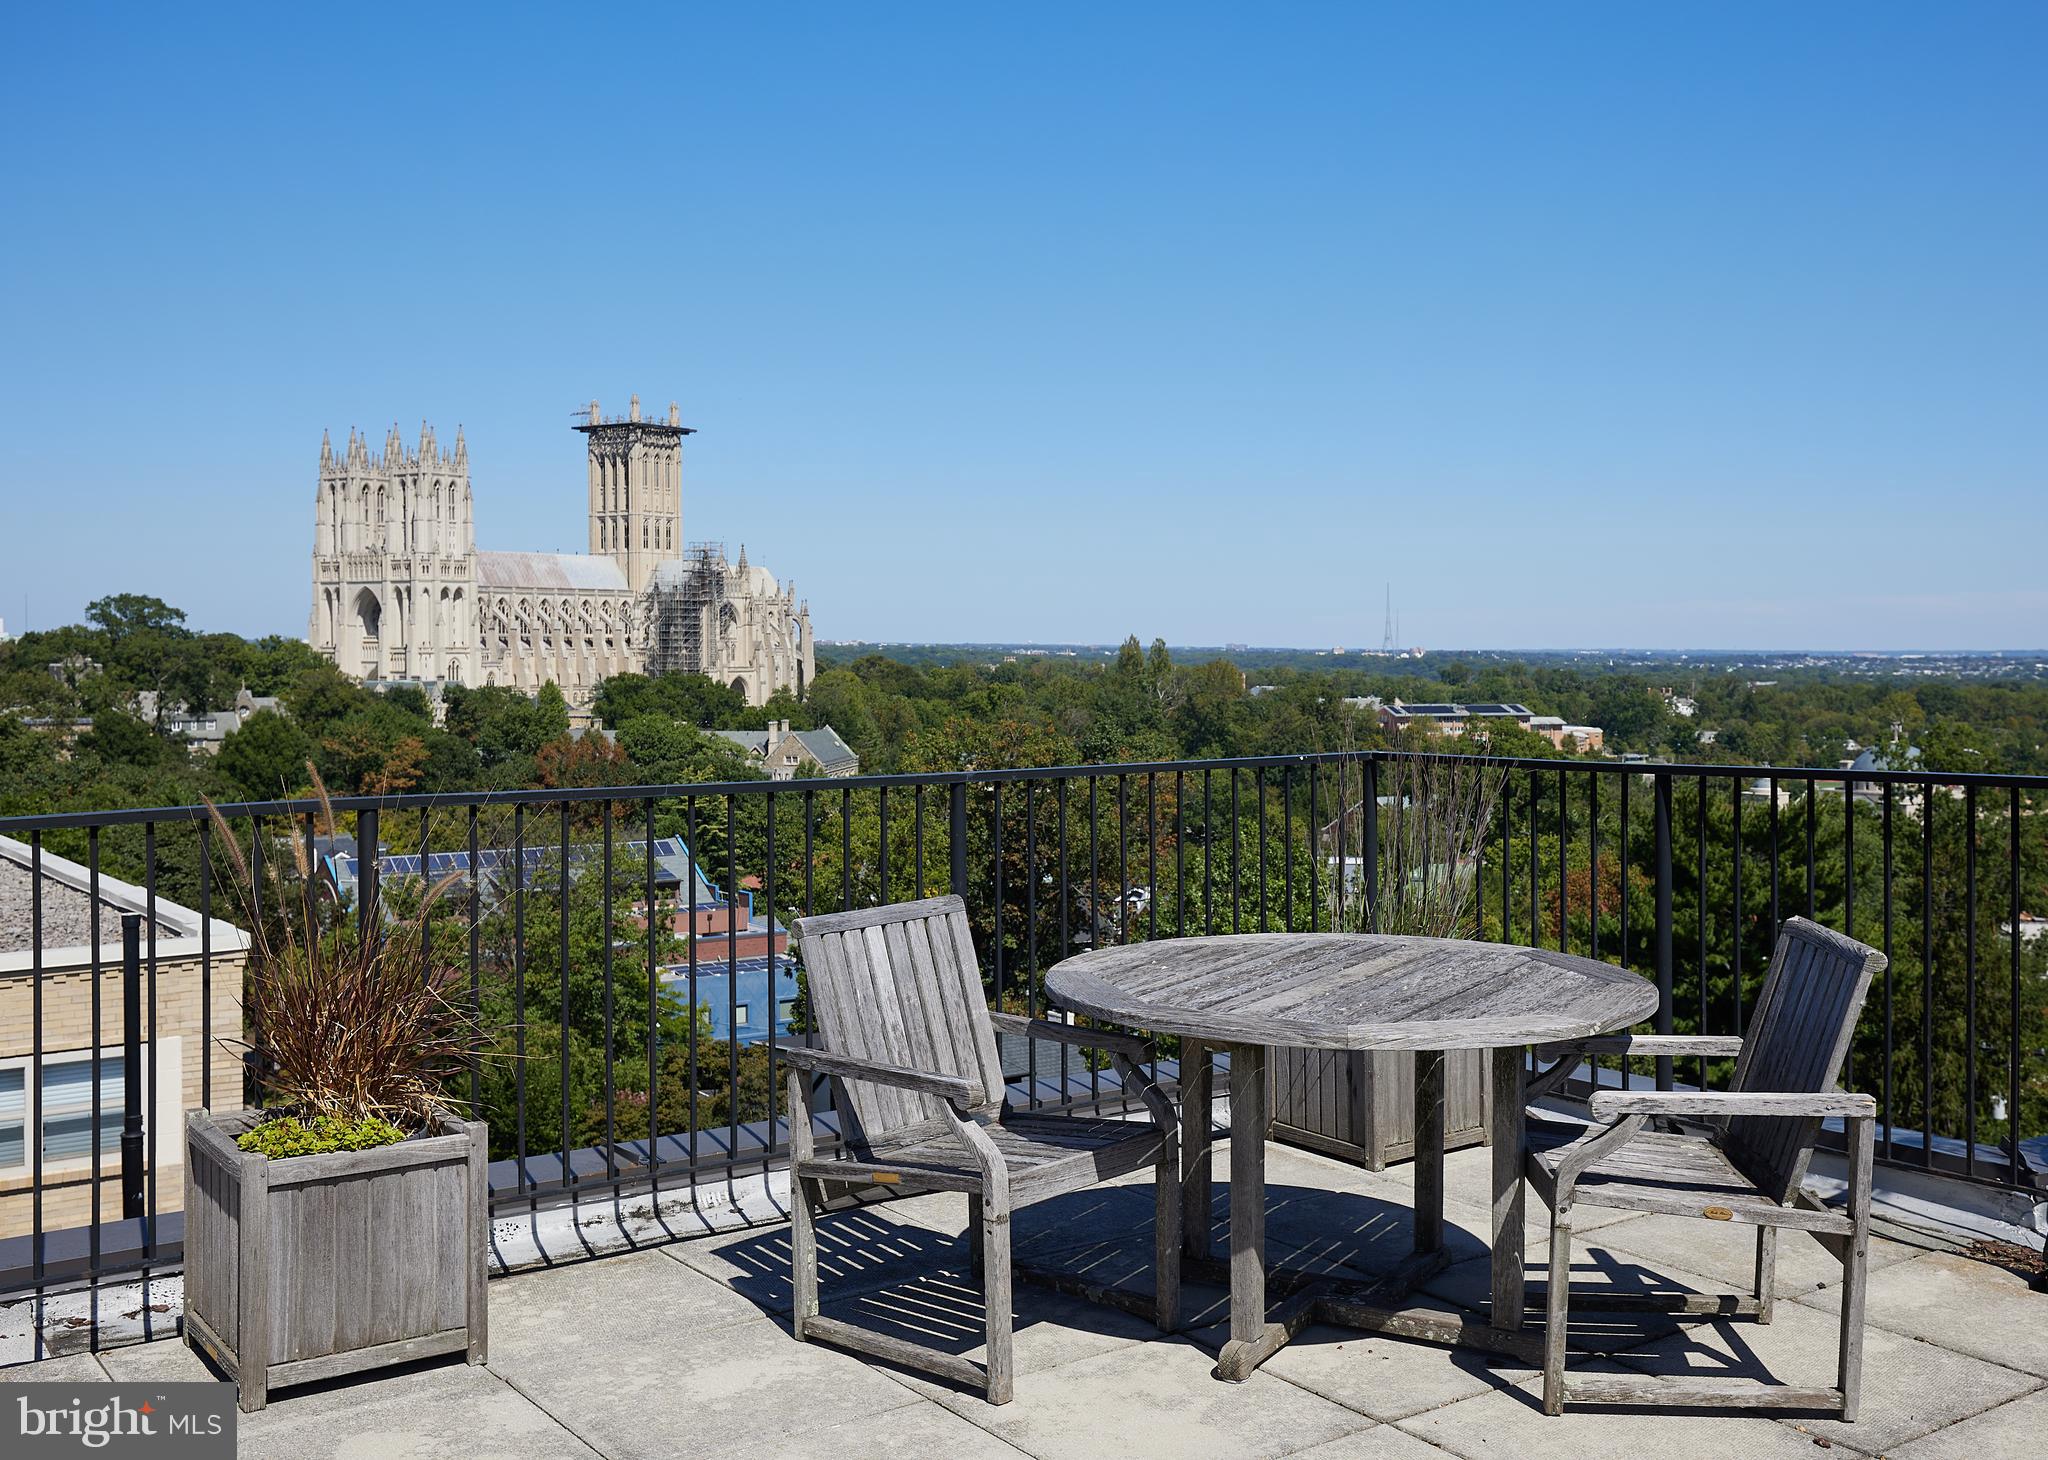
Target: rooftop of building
677,1343
560,572
64,907
824,743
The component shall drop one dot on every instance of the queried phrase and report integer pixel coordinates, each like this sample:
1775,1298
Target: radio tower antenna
1387,633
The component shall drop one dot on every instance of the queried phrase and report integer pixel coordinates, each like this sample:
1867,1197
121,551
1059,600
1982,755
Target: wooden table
1250,992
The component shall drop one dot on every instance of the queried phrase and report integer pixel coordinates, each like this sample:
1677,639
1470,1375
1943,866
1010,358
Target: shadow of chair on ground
914,1282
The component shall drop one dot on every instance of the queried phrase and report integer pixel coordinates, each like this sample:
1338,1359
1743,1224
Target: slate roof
824,744
559,572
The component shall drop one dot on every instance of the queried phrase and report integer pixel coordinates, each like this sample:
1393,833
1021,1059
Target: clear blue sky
1720,325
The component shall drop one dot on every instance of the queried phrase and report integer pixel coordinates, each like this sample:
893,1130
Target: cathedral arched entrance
364,629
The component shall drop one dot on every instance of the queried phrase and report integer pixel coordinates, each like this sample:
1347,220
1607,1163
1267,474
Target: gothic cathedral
401,594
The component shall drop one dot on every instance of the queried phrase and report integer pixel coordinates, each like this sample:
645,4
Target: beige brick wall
68,1027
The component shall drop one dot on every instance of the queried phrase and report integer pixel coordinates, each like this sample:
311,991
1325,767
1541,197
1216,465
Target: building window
13,1118
63,1112
740,1015
785,1010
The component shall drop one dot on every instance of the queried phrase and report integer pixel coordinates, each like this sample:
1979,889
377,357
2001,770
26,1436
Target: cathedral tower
394,560
636,489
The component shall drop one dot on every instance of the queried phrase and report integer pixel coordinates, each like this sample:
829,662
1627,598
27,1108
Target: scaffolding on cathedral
680,606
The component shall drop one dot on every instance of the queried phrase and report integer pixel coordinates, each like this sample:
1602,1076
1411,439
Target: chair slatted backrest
900,985
1797,1040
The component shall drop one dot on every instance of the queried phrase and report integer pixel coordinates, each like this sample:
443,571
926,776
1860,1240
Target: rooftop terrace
625,1323
683,1348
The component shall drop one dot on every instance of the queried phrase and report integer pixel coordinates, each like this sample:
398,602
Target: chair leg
1557,1316
803,1256
976,1258
1855,1265
994,1227
1166,1238
1766,1272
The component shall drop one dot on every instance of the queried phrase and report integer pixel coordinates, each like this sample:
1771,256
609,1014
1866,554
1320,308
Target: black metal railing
612,940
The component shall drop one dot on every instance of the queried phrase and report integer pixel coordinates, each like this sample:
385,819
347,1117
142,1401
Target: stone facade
394,561
400,591
566,617
731,621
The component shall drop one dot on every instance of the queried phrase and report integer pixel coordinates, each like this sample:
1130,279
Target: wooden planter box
317,1266
1359,1105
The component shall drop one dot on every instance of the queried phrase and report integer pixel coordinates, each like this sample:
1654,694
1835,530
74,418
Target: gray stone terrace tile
1972,1307
858,1249
638,1376
451,1411
946,1311
1385,1378
1361,1226
2014,1429
1509,1424
919,1432
1381,1442
1909,1388
434,1408
170,1362
1469,1285
70,1369
1726,1253
685,1350
608,1300
1157,1399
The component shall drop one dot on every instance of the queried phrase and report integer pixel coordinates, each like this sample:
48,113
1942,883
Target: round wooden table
1246,993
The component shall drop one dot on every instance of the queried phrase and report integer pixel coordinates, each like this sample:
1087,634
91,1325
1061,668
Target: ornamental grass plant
1433,820
354,1018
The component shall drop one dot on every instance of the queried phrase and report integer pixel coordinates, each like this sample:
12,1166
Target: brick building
50,1103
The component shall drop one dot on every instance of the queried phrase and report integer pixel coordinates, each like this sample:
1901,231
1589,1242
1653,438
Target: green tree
119,738
692,697
121,615
265,758
550,713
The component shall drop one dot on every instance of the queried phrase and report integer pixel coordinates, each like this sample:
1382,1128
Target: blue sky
1582,325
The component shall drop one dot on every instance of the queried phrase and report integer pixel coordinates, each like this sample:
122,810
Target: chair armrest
1612,1104
1056,1033
1127,1056
1712,1045
825,1062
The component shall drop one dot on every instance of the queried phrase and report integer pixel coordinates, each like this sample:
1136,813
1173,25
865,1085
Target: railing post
1372,843
956,835
131,1066
1663,856
366,871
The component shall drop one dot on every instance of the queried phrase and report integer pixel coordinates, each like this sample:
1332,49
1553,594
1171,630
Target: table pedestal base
1367,1304
1305,1298
1308,1298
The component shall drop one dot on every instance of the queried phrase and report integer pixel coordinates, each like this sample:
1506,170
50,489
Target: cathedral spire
461,448
743,557
326,450
427,448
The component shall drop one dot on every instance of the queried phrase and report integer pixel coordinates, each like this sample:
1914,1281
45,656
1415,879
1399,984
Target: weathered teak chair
1748,1168
906,1035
